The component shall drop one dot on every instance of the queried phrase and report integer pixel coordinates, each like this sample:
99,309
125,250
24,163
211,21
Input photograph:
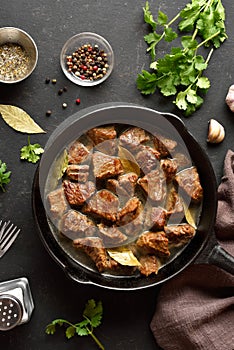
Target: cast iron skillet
147,119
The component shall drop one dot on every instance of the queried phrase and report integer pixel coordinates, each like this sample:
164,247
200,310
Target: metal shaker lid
10,312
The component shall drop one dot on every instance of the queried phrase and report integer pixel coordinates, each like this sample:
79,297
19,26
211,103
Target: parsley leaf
180,72
31,153
4,175
92,317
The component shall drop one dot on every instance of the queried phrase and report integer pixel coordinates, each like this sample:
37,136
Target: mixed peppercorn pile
88,62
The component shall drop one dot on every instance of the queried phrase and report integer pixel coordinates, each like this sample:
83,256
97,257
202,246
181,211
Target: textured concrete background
126,314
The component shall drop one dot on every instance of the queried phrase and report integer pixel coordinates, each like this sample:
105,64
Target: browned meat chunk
111,235
105,166
155,218
164,145
189,180
154,185
104,138
182,160
174,205
179,233
77,153
104,204
94,248
124,186
147,158
134,228
78,172
169,167
130,211
78,193
101,134
74,225
154,243
133,137
149,264
57,203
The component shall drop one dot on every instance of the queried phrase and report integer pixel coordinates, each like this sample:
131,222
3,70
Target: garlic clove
230,98
216,132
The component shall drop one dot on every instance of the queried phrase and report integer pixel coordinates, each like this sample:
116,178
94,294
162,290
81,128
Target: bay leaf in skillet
120,205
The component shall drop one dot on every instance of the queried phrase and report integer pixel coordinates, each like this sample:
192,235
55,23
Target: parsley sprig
92,316
30,152
180,73
4,175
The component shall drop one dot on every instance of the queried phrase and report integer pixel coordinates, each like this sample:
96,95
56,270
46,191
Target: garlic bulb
230,98
216,132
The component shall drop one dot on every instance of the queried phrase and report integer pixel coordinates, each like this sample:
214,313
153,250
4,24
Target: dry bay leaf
123,256
190,215
128,161
19,120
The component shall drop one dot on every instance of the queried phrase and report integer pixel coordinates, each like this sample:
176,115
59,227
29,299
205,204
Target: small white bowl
74,43
12,35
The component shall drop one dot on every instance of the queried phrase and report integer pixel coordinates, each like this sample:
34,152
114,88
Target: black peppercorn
48,113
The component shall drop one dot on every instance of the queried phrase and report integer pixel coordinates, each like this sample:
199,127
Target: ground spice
14,62
88,62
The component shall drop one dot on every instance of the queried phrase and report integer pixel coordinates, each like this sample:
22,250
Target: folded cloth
195,310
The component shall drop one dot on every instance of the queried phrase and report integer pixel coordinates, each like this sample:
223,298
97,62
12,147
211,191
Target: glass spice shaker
16,303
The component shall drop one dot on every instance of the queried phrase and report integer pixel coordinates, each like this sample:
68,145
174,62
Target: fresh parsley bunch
92,316
4,175
180,72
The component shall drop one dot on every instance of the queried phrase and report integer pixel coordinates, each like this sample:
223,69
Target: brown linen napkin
195,310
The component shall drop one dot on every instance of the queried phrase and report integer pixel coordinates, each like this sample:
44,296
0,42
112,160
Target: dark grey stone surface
127,315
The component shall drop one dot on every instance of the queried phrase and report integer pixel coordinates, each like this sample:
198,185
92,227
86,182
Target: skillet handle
219,257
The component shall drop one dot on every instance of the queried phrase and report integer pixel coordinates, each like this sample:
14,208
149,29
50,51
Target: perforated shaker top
10,312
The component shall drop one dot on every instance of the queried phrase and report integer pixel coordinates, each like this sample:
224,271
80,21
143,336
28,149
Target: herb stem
173,20
97,341
208,39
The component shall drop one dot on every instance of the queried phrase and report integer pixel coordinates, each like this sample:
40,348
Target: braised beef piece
111,235
101,134
134,228
77,153
189,180
154,185
57,203
179,233
103,204
147,158
149,264
133,137
174,204
105,166
95,249
77,193
75,224
130,211
169,167
164,145
155,218
154,243
104,139
124,186
182,160
78,172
